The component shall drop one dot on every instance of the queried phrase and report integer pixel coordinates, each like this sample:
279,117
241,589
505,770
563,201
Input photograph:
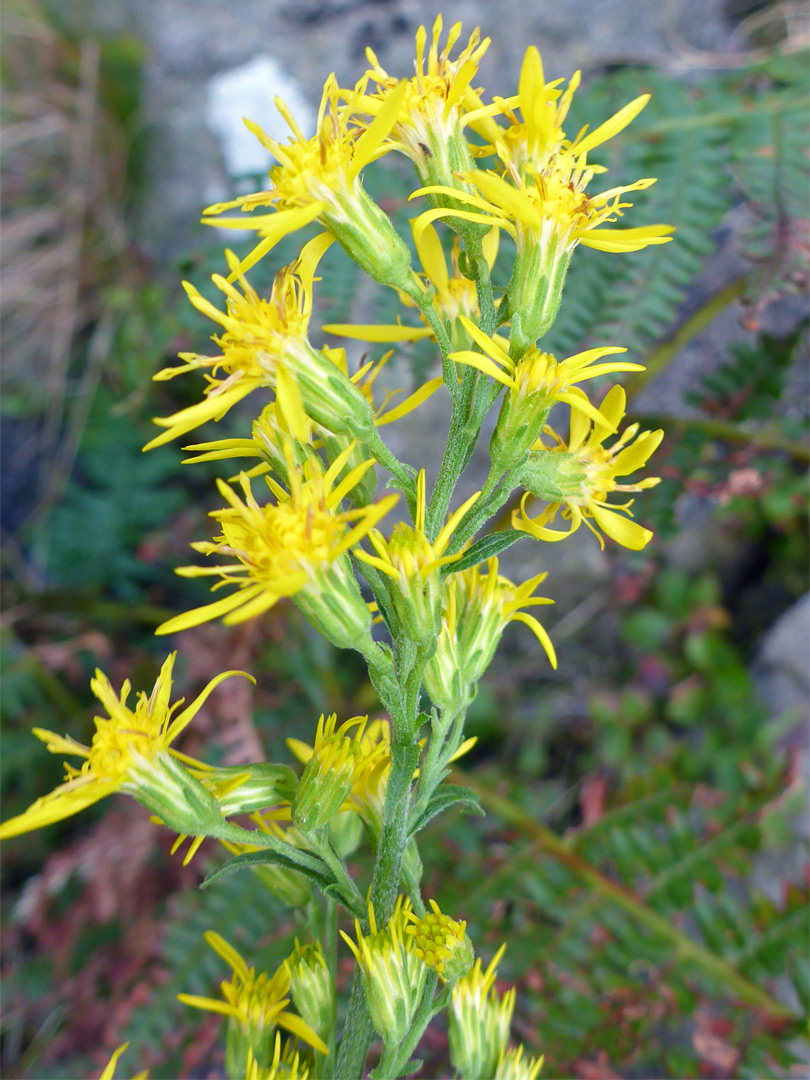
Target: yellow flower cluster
505,170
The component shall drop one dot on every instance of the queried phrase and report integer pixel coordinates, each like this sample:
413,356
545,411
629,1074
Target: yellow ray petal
540,632
385,335
208,611
413,401
183,718
613,126
636,455
366,147
301,1030
620,528
109,1068
228,953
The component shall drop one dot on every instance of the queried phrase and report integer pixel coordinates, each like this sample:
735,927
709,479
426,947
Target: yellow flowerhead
285,426
318,178
393,974
583,475
478,1020
476,609
373,747
293,547
336,763
264,341
513,1066
434,108
130,751
370,757
411,563
535,381
255,1004
441,942
540,196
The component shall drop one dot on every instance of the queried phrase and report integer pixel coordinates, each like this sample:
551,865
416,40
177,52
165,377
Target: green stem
330,935
470,402
387,870
440,749
323,847
357,1035
480,513
424,300
386,458
388,867
450,468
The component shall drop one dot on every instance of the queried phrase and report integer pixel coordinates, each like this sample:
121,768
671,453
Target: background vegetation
640,851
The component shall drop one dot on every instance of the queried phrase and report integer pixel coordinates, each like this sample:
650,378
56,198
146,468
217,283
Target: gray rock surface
782,666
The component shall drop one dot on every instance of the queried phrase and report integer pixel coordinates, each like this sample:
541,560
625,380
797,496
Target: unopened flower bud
536,288
313,988
478,1020
337,761
393,975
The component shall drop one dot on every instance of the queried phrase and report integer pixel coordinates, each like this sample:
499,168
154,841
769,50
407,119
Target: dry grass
62,233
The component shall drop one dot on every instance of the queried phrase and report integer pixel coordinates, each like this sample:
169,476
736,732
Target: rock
782,665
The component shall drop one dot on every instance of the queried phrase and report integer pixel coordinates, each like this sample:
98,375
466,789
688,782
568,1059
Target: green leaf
485,548
445,796
292,859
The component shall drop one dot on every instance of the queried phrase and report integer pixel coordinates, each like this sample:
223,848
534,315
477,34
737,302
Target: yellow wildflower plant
394,975
476,609
478,1020
131,751
579,475
108,1072
514,1066
441,942
319,179
411,563
256,1005
294,547
425,604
